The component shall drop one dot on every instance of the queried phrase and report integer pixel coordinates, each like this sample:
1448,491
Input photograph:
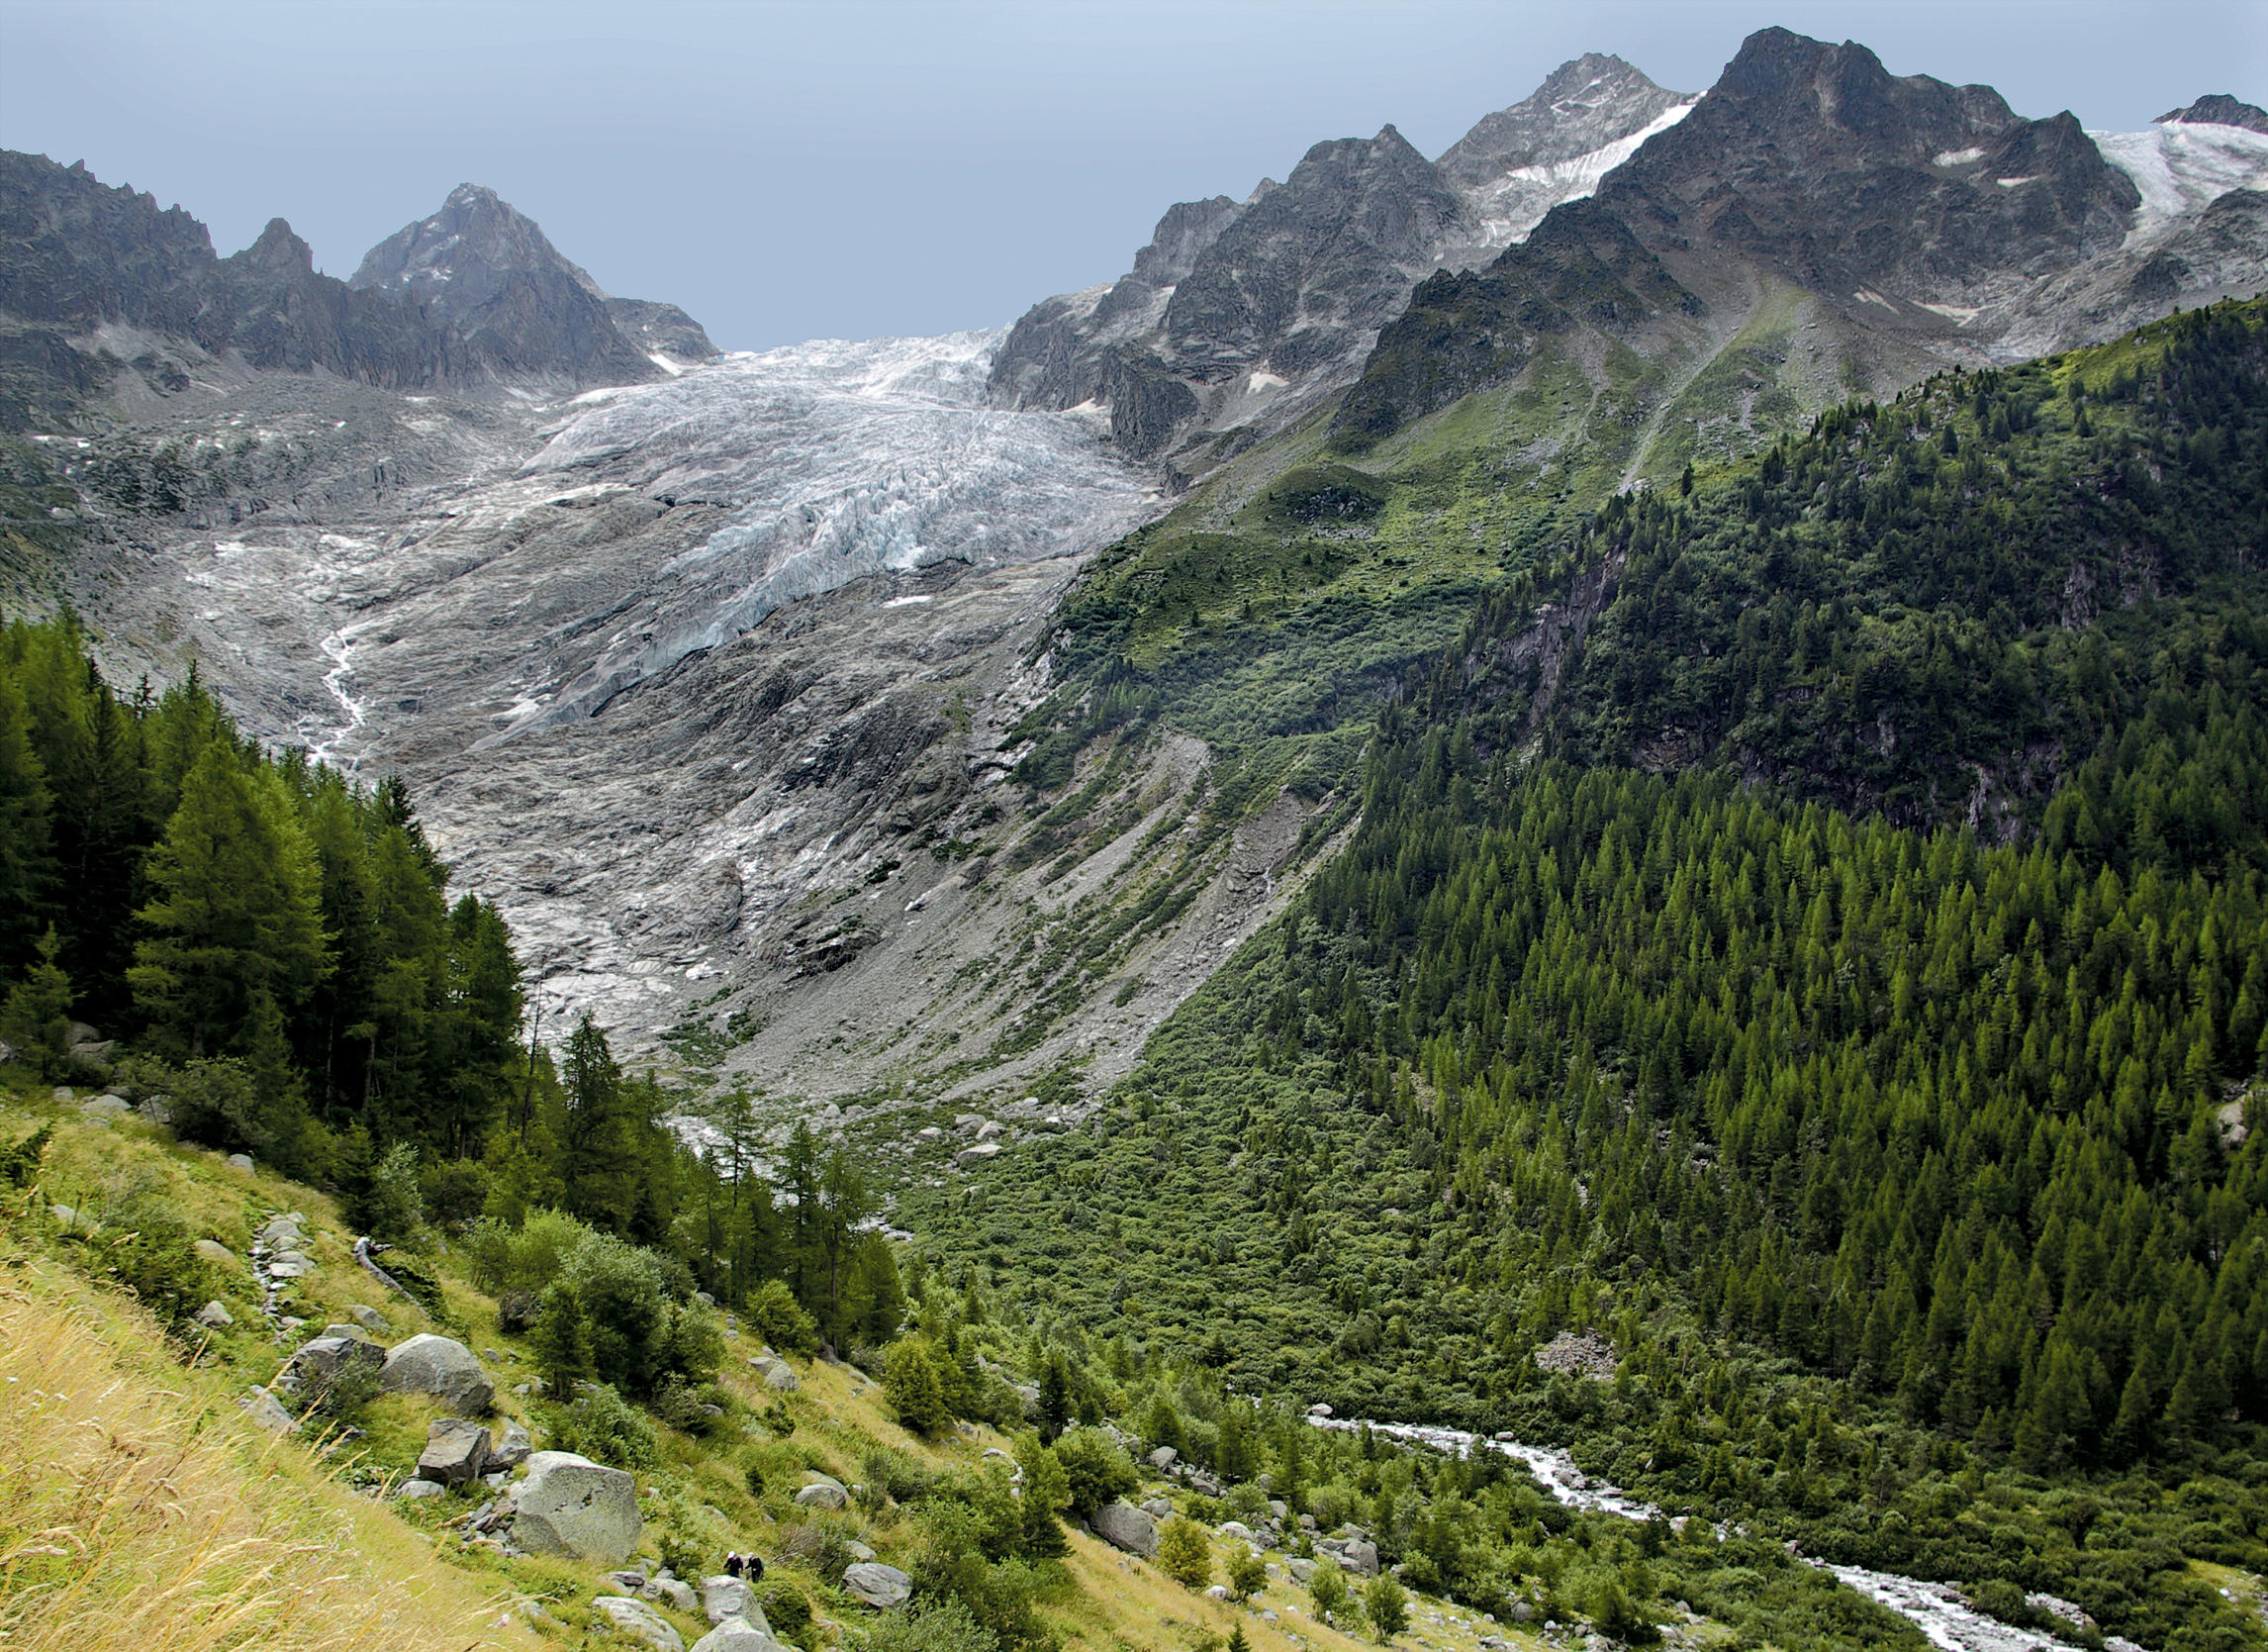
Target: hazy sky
794,170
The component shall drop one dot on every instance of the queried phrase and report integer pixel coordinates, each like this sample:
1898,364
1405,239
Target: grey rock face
1124,1526
569,1505
2220,109
660,329
456,1452
879,1586
440,1368
1243,313
638,1621
507,302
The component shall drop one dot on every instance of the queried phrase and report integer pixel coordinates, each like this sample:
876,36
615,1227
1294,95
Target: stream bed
1940,1610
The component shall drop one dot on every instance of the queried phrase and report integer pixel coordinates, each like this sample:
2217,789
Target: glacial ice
835,460
2180,168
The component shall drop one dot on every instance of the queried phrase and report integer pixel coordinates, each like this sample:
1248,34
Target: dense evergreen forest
267,952
1839,981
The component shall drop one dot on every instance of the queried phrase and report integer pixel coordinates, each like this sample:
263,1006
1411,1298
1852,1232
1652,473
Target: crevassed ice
836,460
2180,168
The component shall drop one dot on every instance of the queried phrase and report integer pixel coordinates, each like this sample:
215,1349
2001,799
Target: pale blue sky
792,170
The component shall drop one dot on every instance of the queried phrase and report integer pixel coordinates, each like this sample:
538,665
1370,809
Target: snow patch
1959,157
2181,169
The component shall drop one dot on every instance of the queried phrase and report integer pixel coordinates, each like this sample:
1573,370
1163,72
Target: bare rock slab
569,1505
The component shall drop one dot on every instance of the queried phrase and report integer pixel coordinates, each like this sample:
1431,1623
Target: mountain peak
1582,106
2218,109
460,257
279,250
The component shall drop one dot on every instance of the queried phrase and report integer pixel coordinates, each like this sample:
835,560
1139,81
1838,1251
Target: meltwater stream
1937,1609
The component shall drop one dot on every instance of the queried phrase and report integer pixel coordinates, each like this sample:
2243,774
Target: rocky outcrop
456,1452
497,305
2218,108
1239,315
502,299
1924,214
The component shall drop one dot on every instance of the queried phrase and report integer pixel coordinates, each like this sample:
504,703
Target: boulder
1235,1529
739,1635
240,1161
669,1592
991,1130
629,1579
214,1316
569,1505
978,1154
281,1232
370,1320
456,1452
1302,1572
1163,1458
106,1107
353,1333
324,1360
823,1492
725,1595
1124,1526
1357,1555
880,1586
513,1449
266,1411
780,1379
441,1368
1319,1409
410,1490
1157,1508
638,1621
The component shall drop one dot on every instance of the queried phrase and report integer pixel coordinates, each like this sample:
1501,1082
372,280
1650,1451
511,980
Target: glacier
835,460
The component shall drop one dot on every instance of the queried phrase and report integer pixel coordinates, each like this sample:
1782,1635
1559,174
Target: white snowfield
1516,203
835,460
2182,168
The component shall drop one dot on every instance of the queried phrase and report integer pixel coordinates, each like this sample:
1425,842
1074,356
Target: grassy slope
139,1468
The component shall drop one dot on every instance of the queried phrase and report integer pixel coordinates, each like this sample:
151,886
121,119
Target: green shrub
909,1380
19,1163
1246,1573
778,1319
931,1626
145,1249
1388,1606
1097,1468
607,1429
1184,1554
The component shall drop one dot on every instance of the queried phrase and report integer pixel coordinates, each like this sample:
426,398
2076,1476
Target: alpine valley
1521,902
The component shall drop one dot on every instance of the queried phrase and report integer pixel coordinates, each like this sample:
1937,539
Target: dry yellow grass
138,1513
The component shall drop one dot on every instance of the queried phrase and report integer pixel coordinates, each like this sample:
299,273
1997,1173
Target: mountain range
466,500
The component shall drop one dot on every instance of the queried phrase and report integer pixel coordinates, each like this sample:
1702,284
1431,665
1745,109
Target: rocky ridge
1239,317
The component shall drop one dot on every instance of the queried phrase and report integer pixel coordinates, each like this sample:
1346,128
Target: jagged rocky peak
1584,105
2218,109
663,331
460,257
513,306
1815,161
1239,315
279,250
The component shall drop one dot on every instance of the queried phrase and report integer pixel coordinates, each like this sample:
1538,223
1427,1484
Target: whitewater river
1937,1609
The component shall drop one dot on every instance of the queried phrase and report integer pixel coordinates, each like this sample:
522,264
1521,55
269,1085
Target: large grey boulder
569,1505
638,1621
441,1368
823,1492
725,1595
456,1452
1124,1526
370,1320
213,1315
217,1253
879,1586
1162,1458
739,1635
322,1361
